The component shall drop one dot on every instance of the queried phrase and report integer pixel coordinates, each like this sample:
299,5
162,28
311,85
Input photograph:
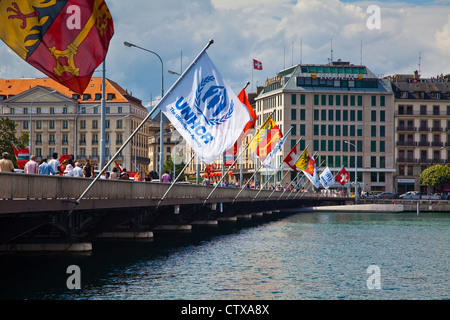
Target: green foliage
168,166
436,176
8,137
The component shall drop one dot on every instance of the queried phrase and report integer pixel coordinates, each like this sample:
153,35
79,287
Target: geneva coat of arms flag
65,39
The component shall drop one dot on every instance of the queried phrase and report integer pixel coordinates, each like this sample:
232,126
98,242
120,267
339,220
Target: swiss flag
292,158
343,177
257,65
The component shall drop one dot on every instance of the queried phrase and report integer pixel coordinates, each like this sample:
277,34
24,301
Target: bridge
41,209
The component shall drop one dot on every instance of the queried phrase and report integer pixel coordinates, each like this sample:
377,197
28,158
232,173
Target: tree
436,176
8,137
168,166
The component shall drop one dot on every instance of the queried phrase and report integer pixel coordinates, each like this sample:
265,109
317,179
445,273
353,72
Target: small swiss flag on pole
257,65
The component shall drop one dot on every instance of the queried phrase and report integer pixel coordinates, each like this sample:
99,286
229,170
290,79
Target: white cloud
267,30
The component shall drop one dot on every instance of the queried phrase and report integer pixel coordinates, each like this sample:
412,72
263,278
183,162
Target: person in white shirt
55,163
68,172
77,171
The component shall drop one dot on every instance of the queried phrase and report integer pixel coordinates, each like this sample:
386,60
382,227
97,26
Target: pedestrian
56,165
45,168
148,177
6,165
88,170
124,175
31,167
114,174
77,170
137,177
166,177
68,171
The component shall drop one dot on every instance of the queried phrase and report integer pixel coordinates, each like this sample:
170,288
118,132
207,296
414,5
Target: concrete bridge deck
36,207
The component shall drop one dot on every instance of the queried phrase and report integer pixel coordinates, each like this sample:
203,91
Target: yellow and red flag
305,163
65,39
266,138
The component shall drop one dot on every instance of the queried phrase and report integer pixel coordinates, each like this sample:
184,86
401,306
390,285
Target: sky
279,33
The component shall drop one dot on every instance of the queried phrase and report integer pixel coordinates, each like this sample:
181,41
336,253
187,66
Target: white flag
327,178
205,110
314,179
267,162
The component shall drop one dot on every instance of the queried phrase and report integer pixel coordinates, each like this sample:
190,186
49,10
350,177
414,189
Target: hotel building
335,107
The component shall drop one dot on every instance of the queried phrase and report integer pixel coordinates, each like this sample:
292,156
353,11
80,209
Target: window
52,124
94,124
352,115
338,100
38,124
337,145
345,101
330,145
316,145
323,145
435,110
360,99
330,100
65,110
352,131
373,101
302,99
352,101
345,115
423,110
345,130
52,110
373,131
38,110
373,117
382,163
316,115
98,96
382,131
65,124
83,124
119,124
323,130
337,133
382,101
360,115
323,115
25,110
120,110
293,99
323,100
383,116
293,114
373,163
373,146
25,125
316,99
302,129
86,97
294,130
338,115
330,130
302,114
316,129
330,115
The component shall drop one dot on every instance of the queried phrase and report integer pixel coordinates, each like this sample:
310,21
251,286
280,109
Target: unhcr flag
65,39
205,110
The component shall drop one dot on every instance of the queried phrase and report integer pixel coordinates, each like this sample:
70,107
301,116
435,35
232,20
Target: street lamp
161,144
31,117
356,172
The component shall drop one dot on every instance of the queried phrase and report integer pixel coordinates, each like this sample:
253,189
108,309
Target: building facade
422,128
343,113
69,123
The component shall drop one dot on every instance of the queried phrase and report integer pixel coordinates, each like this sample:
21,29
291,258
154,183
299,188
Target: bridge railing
30,186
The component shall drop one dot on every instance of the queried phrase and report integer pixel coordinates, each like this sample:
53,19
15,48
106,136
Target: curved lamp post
356,171
161,138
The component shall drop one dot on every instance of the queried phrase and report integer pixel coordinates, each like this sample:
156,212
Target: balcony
407,160
94,157
94,142
437,144
406,129
406,144
424,129
51,142
424,144
447,144
437,129
82,142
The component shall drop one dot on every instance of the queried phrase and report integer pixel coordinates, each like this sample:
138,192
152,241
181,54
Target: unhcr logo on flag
205,110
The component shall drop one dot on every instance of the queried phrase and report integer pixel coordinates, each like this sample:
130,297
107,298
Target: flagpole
77,202
241,171
297,182
284,177
173,182
308,181
298,174
276,171
240,154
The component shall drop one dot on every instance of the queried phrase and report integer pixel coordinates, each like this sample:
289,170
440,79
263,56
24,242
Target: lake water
319,256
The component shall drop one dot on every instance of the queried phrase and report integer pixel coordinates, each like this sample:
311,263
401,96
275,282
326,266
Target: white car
410,195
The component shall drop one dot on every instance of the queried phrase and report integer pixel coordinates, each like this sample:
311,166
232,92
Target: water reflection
305,256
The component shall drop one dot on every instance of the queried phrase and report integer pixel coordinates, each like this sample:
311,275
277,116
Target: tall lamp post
31,117
356,171
161,138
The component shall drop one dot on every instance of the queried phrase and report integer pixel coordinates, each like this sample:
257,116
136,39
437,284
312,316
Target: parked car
410,195
385,195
